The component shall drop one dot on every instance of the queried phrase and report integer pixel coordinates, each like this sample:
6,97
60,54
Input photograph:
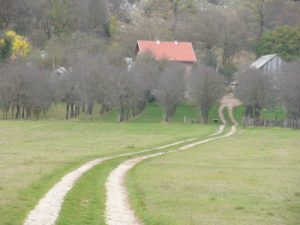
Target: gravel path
230,102
118,210
221,114
219,131
48,208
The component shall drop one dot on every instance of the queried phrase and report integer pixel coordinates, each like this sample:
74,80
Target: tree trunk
18,112
12,112
77,110
249,112
204,115
105,108
67,111
23,112
261,13
165,116
28,113
257,112
72,111
175,19
90,108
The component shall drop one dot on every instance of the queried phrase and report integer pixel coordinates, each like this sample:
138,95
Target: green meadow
36,154
153,114
252,178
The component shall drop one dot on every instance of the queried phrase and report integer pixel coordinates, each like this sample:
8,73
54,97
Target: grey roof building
269,63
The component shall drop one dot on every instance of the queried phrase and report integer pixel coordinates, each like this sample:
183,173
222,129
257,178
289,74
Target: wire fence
294,124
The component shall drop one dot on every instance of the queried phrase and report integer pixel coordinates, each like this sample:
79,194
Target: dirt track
229,102
46,212
118,209
48,208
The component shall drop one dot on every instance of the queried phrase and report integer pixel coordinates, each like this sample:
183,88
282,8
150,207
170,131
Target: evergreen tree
6,49
284,41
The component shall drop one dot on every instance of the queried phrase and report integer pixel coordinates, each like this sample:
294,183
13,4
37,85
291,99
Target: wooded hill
91,38
222,31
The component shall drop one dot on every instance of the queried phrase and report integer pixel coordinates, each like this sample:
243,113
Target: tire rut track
48,208
118,210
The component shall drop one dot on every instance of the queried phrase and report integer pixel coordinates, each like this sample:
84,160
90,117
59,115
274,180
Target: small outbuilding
269,64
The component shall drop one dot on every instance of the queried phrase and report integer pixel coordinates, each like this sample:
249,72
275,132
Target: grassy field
36,154
268,114
252,178
186,112
85,203
152,114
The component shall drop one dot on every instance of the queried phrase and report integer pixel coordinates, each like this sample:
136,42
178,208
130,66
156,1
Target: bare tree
8,12
216,30
280,13
143,29
261,15
290,90
206,87
62,50
78,87
123,95
257,91
170,89
232,36
66,86
85,69
132,87
144,76
8,85
204,29
25,90
107,90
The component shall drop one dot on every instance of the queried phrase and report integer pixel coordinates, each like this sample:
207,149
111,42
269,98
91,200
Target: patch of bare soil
230,102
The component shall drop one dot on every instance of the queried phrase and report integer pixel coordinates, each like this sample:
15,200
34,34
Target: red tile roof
173,51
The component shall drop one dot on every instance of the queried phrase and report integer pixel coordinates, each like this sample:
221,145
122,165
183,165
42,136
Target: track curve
48,208
118,210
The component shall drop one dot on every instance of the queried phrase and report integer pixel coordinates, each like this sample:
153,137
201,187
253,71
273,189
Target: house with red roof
175,51
165,50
